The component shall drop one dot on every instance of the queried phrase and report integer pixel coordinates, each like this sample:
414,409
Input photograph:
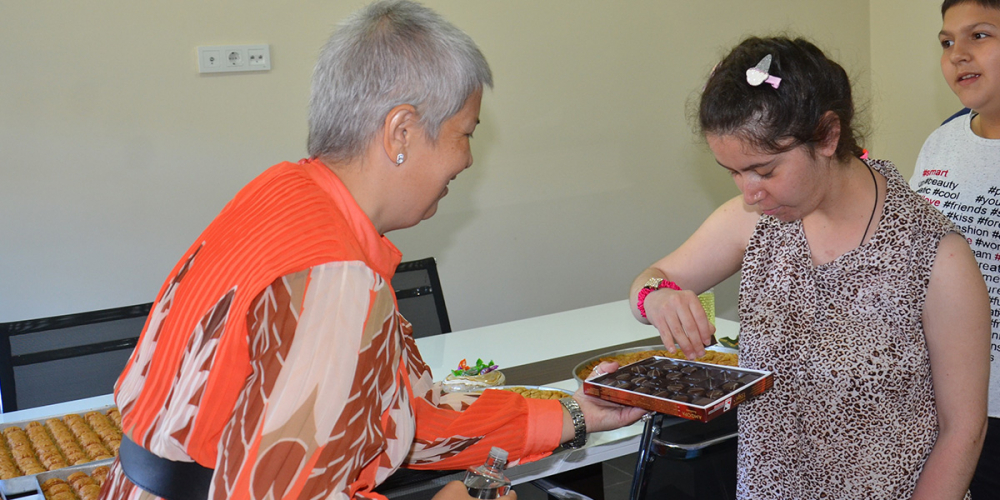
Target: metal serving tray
26,487
30,487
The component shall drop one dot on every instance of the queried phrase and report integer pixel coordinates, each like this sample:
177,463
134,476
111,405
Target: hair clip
759,73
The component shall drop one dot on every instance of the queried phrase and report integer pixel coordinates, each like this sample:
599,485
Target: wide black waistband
163,477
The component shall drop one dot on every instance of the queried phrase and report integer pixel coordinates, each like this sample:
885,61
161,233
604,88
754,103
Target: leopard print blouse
852,412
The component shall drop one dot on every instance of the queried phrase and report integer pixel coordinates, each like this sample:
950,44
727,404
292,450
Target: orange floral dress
276,356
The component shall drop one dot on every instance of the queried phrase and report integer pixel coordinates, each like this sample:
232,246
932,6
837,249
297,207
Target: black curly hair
794,114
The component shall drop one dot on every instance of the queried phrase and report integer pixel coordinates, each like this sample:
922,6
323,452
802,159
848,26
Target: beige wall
116,152
910,97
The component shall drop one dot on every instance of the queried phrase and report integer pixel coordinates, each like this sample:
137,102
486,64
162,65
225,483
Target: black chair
61,358
420,299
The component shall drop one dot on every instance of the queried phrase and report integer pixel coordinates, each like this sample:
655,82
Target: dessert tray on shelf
51,449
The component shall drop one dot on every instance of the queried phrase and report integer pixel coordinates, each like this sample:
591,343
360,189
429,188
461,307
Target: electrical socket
233,58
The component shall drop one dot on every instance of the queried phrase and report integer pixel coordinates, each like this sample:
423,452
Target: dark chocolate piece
675,387
665,365
681,397
730,386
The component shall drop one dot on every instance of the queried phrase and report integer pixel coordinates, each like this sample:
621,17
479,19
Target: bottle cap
499,453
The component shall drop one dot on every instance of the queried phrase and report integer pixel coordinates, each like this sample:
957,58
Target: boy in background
958,171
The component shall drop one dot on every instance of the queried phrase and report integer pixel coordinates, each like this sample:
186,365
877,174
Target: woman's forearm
949,467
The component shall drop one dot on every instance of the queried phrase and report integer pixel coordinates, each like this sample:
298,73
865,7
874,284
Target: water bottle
487,480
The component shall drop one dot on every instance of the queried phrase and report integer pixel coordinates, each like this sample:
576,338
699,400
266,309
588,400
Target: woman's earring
399,159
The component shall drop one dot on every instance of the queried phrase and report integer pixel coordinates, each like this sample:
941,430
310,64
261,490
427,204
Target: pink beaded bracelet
646,290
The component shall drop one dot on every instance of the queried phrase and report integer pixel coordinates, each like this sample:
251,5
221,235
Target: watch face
653,283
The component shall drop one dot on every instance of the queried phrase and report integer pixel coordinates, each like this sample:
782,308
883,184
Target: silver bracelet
579,425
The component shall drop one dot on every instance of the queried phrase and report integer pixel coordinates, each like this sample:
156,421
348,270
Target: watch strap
579,424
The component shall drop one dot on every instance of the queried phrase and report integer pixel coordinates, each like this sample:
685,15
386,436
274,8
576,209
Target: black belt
163,477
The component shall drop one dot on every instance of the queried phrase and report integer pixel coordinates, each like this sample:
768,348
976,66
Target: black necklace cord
872,217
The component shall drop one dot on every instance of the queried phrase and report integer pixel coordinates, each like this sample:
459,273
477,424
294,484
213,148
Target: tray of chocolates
714,354
687,389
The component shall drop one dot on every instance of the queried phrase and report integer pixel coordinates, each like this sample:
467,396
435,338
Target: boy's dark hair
779,120
989,4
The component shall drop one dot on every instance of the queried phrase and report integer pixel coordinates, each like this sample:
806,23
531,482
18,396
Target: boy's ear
397,131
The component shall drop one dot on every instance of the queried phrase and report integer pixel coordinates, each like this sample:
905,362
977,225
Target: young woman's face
970,58
785,185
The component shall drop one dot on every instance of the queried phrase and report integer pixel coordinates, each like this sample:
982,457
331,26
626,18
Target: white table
546,337
540,338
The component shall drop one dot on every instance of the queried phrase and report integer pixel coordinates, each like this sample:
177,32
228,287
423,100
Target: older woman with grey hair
274,363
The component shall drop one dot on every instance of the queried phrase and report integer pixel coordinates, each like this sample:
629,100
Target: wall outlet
233,58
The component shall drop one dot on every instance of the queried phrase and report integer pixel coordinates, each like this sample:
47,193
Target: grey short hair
389,53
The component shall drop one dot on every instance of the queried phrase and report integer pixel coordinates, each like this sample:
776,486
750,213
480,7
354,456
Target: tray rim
21,423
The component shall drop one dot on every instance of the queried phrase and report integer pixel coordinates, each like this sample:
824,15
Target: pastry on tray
58,442
470,378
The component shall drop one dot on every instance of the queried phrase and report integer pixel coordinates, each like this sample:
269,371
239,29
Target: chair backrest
420,299
61,358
